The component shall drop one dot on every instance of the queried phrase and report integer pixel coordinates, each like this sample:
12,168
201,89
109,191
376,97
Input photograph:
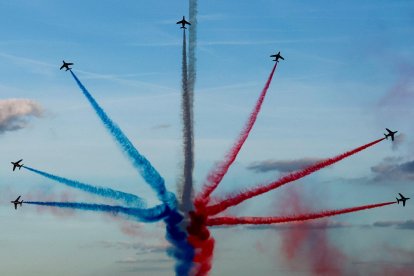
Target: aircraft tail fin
398,201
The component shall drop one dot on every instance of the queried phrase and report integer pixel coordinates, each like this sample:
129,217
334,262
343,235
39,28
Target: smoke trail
129,199
187,136
302,217
223,204
144,215
182,251
305,247
216,175
192,59
203,243
144,167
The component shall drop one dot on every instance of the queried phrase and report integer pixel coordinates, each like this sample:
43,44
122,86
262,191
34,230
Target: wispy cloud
36,66
161,126
289,226
177,43
118,79
282,166
403,224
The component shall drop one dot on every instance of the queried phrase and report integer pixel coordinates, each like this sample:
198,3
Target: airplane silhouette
390,134
66,65
277,57
183,22
17,202
17,164
403,199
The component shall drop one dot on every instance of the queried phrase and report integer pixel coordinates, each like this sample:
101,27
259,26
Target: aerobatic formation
188,217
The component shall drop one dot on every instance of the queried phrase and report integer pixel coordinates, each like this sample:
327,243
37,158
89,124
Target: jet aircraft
17,202
277,57
66,65
390,134
402,199
183,22
17,164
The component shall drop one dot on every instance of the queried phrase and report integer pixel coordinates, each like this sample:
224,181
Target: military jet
17,202
66,65
183,22
390,134
277,57
403,199
17,164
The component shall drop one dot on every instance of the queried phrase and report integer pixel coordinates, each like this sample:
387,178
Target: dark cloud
282,166
392,168
15,113
407,224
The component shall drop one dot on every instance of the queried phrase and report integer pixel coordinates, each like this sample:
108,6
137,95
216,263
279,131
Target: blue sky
337,89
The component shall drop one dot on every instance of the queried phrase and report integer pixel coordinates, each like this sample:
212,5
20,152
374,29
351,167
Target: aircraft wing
186,22
388,130
401,195
404,203
61,67
180,22
282,57
69,63
17,199
19,161
15,206
14,167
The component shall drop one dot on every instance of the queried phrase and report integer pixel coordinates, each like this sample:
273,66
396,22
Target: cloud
282,165
161,126
313,225
392,168
407,224
135,260
141,248
15,113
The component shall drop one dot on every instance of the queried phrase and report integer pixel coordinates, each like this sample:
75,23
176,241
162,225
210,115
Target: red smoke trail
202,242
302,217
238,198
216,175
305,245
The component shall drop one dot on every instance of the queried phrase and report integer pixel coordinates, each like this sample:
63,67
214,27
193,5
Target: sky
347,75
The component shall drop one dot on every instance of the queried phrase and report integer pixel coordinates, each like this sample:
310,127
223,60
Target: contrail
223,204
217,173
187,178
144,167
302,217
144,215
129,199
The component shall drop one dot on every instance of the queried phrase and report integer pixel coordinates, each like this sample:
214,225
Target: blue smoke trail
129,199
147,171
182,250
144,215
